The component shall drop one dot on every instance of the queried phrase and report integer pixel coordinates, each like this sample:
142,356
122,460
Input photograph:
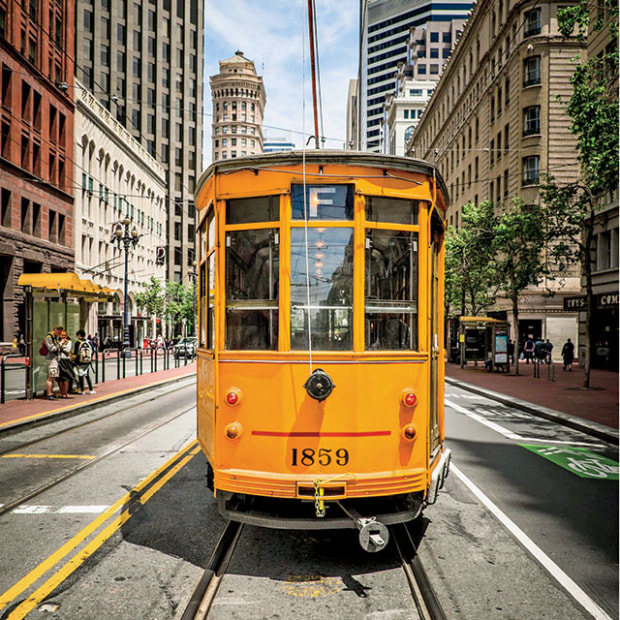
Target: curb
73,410
600,431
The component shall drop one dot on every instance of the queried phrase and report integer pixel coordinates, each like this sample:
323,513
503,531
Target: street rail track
426,600
114,449
406,542
198,606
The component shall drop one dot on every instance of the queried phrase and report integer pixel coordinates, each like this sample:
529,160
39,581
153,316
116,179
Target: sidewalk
16,413
564,399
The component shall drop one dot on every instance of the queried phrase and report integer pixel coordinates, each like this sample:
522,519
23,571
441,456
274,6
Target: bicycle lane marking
154,482
539,555
579,461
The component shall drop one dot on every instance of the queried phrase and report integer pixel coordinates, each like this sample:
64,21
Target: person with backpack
528,350
83,353
50,349
65,367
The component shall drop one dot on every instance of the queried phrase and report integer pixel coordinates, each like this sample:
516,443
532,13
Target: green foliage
152,298
180,302
519,241
470,269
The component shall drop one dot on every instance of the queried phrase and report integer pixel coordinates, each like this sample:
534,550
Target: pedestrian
65,367
50,349
19,343
95,340
83,352
548,352
539,350
528,349
568,354
511,351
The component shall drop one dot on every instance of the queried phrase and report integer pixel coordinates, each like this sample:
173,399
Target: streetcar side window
252,210
322,289
392,210
391,284
322,202
252,288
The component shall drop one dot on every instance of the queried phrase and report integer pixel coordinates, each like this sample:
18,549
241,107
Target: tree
470,269
151,300
180,304
593,107
518,245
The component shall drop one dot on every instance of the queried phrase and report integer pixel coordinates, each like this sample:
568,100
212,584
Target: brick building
36,147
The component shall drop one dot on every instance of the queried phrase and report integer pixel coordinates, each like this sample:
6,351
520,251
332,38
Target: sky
273,34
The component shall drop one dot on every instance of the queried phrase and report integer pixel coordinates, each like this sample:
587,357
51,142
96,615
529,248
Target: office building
238,96
386,28
497,120
143,62
36,148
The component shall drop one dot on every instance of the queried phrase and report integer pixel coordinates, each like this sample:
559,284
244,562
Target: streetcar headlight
408,398
408,432
234,430
233,396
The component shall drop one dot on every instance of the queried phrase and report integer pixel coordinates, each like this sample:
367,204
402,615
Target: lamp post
125,238
194,277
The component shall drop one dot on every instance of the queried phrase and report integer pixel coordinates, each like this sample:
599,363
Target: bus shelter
54,299
484,339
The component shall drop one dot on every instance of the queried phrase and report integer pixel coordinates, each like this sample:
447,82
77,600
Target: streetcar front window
393,210
251,210
322,289
391,284
252,287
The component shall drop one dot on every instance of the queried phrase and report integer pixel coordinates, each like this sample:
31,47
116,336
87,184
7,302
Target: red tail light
233,396
408,398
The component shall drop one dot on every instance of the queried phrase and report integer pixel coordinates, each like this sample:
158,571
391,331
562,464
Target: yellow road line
47,456
70,545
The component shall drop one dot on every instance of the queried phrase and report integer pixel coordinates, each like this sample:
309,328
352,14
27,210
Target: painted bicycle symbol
591,467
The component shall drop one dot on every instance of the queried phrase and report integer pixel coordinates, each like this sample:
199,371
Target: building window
531,120
532,24
421,69
531,71
434,37
531,172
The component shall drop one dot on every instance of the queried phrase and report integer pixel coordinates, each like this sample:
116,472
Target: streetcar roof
317,156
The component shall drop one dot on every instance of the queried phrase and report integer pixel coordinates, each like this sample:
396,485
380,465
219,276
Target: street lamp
194,277
125,238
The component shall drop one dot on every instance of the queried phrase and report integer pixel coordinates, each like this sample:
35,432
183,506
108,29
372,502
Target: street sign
579,461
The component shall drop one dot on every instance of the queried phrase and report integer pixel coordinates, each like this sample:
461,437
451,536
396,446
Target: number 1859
322,456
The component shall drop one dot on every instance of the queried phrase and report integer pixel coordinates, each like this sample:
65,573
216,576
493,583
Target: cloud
274,35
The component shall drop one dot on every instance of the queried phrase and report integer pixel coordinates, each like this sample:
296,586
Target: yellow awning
63,282
479,319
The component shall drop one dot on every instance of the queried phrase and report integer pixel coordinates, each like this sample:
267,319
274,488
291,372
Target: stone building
605,269
239,99
117,179
36,148
497,120
143,62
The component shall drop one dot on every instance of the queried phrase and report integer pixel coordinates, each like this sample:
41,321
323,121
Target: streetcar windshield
322,288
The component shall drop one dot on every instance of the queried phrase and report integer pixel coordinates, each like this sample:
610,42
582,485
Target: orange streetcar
320,354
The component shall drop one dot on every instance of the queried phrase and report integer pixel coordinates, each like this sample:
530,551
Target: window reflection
252,286
391,290
322,294
323,202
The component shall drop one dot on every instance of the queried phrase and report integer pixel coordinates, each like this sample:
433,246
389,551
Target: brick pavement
16,412
564,394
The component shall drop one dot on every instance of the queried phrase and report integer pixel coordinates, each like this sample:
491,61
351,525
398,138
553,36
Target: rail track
406,541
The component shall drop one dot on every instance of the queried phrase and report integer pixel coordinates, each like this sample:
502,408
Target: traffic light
160,256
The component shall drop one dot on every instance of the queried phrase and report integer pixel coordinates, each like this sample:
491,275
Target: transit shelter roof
64,282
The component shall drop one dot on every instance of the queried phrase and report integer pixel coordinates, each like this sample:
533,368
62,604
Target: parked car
185,347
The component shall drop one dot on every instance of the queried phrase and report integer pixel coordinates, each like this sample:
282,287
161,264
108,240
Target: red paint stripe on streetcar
321,434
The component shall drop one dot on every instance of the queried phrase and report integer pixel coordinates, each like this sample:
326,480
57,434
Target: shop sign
609,300
579,461
575,304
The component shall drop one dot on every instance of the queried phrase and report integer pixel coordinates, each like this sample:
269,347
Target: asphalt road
70,553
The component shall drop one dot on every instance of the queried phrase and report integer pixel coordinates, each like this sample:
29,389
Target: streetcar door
435,348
